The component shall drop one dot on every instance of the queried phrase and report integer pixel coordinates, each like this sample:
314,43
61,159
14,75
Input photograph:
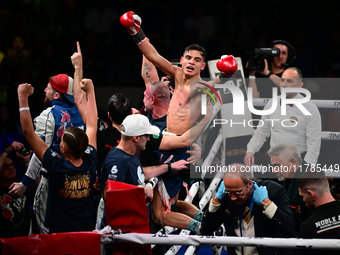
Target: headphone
291,51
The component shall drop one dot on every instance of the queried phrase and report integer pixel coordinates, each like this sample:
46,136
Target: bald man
303,131
262,205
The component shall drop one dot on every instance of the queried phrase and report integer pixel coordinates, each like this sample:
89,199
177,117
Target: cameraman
273,70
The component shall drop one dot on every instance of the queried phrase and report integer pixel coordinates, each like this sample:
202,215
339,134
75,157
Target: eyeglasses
7,166
236,193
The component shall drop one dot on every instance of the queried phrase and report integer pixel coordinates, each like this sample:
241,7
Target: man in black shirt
325,219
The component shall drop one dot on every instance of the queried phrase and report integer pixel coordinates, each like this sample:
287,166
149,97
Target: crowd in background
37,38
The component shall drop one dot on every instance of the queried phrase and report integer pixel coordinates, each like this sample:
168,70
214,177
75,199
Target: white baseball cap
136,125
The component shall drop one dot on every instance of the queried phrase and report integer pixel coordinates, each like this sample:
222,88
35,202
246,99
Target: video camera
256,61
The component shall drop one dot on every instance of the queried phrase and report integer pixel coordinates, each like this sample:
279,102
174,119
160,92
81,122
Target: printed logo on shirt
55,154
293,119
113,174
65,116
76,185
61,130
13,209
114,170
88,150
327,224
103,125
155,136
6,207
141,176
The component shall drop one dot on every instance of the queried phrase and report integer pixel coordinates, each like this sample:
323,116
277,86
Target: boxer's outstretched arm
132,23
153,56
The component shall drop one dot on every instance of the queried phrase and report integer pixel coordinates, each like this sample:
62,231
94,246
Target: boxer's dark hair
119,107
198,48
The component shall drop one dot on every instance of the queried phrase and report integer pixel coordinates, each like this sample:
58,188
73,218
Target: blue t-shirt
160,122
122,167
70,193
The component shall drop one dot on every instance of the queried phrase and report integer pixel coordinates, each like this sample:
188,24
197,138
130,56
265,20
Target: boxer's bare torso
184,109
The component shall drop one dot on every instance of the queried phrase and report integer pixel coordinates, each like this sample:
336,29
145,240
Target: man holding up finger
50,126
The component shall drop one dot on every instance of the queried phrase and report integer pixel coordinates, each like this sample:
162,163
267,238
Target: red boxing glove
132,22
227,65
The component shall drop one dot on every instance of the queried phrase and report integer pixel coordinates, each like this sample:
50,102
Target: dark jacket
280,226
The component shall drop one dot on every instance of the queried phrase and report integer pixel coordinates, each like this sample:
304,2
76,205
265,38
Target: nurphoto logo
238,100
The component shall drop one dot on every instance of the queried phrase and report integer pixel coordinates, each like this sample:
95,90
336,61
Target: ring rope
194,240
328,135
317,102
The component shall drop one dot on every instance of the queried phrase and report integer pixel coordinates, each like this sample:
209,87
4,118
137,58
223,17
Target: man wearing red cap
59,86
50,126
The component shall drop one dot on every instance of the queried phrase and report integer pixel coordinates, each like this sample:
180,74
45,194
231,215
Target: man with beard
50,126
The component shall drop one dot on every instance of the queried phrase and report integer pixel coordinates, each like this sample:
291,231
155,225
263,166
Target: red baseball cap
64,84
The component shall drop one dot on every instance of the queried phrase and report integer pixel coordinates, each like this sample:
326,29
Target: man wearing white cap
123,163
50,126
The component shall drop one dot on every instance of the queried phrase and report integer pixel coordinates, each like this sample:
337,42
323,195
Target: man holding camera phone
272,70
